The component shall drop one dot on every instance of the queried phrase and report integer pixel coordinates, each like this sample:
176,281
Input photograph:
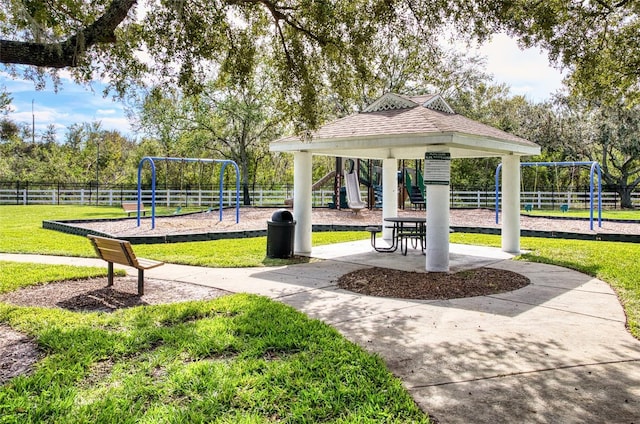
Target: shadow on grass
106,300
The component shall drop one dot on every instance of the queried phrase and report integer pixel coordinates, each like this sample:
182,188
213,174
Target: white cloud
72,104
105,111
527,72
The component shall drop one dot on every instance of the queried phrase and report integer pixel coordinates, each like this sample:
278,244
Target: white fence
277,197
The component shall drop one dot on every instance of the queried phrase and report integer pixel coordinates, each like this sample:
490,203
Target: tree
314,46
8,128
537,122
240,123
607,134
596,41
94,154
234,119
408,64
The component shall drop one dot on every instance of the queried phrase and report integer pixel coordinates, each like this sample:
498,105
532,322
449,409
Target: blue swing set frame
595,167
152,159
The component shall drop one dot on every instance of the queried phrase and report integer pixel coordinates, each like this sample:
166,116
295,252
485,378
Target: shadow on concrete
324,274
516,379
554,351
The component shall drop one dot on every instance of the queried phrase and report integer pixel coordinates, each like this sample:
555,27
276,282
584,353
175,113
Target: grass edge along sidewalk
236,359
611,262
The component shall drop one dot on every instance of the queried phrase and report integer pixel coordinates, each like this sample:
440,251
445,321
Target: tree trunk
246,198
625,196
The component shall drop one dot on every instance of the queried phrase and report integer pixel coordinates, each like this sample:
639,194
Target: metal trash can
280,234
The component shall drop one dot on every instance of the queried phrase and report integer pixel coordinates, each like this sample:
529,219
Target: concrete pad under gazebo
397,127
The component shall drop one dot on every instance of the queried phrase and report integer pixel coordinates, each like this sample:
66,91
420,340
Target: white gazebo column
437,174
302,201
389,194
511,204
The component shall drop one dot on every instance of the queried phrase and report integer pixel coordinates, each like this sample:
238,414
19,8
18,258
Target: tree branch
67,53
278,15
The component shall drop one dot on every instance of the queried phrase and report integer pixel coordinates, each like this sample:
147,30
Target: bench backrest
132,206
114,250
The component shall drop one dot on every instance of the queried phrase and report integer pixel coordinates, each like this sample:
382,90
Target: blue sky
72,104
526,72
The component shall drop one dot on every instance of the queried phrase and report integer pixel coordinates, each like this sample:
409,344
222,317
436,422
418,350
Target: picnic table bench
132,207
120,252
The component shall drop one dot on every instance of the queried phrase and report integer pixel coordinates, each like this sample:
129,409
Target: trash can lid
282,215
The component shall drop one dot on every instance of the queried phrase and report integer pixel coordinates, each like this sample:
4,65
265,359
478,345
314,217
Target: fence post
53,196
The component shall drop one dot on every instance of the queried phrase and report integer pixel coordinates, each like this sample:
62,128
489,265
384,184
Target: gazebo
397,127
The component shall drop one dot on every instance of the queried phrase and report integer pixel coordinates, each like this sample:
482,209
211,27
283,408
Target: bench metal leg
374,232
109,274
140,282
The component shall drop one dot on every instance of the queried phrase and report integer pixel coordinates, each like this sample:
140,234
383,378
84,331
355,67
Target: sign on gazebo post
438,164
437,178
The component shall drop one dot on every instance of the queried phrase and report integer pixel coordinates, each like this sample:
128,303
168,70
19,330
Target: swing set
594,166
152,159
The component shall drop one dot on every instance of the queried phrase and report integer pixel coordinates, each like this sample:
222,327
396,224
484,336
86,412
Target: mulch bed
92,294
386,282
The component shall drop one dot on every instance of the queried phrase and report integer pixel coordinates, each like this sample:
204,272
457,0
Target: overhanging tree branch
67,53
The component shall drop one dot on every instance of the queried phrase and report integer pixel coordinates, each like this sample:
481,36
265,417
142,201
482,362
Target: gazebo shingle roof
409,119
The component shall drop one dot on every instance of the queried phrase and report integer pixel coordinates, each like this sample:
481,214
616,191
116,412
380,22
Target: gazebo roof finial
393,101
390,101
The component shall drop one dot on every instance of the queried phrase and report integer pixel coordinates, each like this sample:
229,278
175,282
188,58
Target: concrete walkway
556,351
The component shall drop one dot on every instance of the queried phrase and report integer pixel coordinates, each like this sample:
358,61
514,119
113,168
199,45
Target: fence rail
276,197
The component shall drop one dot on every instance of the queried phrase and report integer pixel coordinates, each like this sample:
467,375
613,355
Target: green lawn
584,213
21,232
236,359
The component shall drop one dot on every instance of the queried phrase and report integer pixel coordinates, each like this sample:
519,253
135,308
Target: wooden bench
132,207
120,252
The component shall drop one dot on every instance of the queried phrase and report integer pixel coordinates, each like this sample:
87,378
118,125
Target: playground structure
368,173
152,159
352,187
594,166
416,192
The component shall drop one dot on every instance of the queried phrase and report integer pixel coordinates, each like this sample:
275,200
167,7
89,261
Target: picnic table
405,229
